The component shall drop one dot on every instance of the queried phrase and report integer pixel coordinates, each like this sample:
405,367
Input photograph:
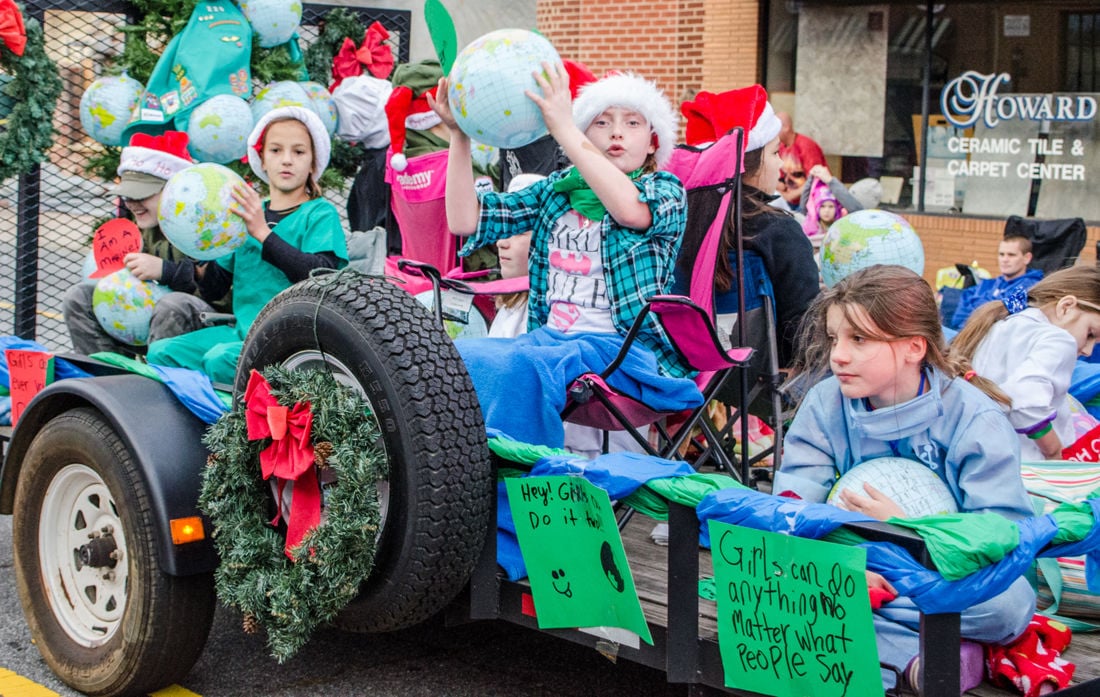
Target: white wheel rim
316,360
87,601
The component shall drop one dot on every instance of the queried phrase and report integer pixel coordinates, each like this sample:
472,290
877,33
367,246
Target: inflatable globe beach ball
218,129
278,94
195,213
87,268
106,106
918,490
273,21
320,100
866,238
124,305
487,85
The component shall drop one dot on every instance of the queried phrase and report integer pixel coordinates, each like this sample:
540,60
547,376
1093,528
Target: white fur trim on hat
361,104
157,163
767,127
630,91
322,144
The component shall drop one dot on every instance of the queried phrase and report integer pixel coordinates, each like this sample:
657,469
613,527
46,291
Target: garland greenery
27,133
291,598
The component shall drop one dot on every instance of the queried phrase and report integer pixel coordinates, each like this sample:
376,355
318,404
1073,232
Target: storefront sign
973,96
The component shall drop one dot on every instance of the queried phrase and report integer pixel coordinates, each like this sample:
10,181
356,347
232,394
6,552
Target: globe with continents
218,129
195,212
106,106
320,100
912,485
276,95
123,305
866,238
487,85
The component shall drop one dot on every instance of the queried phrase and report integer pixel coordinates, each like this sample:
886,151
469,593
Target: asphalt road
485,658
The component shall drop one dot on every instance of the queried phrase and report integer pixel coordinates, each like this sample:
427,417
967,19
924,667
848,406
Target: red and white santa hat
148,161
630,91
322,142
711,116
405,110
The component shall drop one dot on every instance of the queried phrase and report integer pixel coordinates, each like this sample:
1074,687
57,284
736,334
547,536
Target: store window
1013,88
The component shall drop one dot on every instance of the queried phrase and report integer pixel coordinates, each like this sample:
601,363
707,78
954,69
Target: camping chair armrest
419,268
217,319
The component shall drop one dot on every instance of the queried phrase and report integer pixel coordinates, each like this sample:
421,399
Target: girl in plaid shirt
605,235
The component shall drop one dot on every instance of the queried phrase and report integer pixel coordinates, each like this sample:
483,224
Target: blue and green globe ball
123,305
273,22
866,238
218,129
487,84
320,100
912,485
195,211
279,94
106,106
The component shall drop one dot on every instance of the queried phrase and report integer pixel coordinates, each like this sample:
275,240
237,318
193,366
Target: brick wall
950,239
663,41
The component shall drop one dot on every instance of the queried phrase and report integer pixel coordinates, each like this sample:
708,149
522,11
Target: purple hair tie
1016,301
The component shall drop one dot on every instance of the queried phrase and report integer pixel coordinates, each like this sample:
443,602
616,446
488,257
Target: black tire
126,630
436,503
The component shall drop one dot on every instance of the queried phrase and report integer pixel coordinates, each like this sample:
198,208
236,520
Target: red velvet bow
289,458
12,31
171,142
375,54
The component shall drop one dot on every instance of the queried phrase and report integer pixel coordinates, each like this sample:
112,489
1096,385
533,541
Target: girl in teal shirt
292,233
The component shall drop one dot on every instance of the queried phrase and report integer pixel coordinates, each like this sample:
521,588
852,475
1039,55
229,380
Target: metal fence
48,215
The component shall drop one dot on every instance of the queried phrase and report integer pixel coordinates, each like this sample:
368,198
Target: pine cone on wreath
321,453
250,624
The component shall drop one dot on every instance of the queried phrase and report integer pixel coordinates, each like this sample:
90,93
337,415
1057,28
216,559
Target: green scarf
581,197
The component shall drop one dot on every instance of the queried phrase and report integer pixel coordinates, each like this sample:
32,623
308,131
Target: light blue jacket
953,427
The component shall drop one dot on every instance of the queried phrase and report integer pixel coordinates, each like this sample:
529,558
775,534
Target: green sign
574,554
794,617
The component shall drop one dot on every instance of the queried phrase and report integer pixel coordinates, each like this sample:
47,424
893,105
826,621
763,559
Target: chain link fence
47,216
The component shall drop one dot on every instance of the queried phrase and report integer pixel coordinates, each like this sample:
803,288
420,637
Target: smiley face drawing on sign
610,569
559,575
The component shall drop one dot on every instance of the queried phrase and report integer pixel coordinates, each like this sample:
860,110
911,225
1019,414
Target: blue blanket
521,383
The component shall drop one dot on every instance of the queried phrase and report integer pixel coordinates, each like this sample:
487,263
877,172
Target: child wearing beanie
605,235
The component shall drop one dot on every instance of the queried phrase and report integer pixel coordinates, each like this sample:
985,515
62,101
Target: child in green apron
295,231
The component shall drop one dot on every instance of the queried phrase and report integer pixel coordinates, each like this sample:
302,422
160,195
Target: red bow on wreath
375,54
12,31
289,458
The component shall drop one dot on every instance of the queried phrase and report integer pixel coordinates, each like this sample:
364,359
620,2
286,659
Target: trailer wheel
105,617
436,501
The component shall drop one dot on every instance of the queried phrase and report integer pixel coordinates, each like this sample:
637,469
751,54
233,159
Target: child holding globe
292,233
893,392
605,234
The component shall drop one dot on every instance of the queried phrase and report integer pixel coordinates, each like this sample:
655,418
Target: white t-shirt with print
577,289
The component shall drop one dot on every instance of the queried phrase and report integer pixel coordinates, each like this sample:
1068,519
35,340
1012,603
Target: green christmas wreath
290,597
26,134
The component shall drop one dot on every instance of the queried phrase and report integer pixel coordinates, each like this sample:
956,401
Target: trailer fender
164,437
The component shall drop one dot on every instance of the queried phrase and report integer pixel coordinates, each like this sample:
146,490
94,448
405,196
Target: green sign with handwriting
794,617
574,555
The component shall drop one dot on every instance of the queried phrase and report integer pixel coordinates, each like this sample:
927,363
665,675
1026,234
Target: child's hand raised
555,102
251,209
875,504
442,106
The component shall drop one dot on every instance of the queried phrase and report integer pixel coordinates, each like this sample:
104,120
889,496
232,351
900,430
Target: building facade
997,100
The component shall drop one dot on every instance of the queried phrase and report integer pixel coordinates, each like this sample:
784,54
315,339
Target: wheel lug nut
116,554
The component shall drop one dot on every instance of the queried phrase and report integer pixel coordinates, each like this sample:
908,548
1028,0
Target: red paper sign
112,241
29,372
1084,449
